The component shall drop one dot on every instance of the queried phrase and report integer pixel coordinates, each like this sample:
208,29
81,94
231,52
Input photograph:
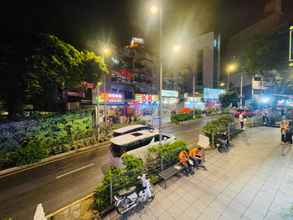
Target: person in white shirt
241,120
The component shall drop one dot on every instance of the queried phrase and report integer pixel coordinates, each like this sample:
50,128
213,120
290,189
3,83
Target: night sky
86,22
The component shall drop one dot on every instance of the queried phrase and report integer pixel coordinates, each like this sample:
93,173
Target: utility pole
193,93
241,90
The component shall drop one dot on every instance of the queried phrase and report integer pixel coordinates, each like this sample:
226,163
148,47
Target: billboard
212,94
170,93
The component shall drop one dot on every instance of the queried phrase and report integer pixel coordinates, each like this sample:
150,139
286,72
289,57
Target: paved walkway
253,181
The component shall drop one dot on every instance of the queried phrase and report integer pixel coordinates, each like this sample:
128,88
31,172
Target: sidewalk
253,181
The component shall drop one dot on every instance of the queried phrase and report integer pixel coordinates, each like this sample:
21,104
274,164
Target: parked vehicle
131,128
136,143
128,201
222,142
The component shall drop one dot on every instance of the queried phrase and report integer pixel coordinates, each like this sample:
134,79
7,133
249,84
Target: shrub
30,152
217,125
48,135
118,178
175,118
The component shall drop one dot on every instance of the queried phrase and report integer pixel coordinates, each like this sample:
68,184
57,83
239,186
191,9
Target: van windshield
117,150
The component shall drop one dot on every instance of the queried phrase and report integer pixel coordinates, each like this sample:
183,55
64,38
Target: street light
232,67
106,52
155,10
177,48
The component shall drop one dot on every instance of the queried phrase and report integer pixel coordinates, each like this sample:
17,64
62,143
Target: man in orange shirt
183,159
197,155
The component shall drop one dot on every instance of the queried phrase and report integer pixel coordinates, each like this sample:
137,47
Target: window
117,150
157,138
136,134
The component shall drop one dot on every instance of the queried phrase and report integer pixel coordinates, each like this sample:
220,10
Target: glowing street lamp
222,84
232,67
106,52
157,10
177,48
154,9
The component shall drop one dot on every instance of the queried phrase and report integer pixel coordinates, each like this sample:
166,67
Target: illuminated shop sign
212,94
141,98
110,97
170,93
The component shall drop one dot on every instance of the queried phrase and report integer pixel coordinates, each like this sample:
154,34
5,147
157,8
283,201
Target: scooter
127,202
222,143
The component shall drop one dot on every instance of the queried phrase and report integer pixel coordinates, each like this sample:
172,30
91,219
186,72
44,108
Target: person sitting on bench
183,159
197,155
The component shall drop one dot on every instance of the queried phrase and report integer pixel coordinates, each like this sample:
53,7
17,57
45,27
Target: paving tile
209,215
253,215
166,216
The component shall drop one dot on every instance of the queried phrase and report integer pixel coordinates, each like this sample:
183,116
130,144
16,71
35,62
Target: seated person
197,155
183,159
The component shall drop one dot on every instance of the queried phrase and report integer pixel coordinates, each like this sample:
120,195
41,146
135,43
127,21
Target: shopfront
194,103
145,104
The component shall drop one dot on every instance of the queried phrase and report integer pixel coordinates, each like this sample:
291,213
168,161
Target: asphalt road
59,183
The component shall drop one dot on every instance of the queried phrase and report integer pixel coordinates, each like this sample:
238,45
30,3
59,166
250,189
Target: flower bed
29,141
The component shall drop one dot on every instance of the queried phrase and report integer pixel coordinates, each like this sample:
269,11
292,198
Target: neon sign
110,97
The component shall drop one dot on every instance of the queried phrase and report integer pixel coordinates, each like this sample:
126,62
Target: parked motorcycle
126,202
222,142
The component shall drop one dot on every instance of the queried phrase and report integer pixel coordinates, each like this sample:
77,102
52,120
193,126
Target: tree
230,97
13,69
39,73
267,51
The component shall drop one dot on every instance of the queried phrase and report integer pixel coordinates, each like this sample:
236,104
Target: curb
69,205
52,159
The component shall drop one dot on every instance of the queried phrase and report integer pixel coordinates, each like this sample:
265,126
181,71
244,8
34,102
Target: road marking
76,170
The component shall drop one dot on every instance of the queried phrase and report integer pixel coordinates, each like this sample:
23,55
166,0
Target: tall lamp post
230,69
157,9
106,51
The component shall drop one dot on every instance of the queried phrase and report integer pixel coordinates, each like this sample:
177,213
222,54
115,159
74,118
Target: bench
169,172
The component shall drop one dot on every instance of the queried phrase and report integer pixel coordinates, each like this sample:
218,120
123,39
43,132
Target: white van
130,129
137,144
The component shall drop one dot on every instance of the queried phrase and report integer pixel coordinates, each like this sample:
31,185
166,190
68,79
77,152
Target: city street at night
146,110
55,185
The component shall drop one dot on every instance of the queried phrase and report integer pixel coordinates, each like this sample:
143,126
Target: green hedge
217,125
125,177
175,118
118,178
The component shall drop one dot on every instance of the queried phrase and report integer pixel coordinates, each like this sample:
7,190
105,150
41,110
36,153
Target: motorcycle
222,143
128,201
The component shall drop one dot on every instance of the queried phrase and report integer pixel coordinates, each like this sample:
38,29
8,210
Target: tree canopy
39,74
267,51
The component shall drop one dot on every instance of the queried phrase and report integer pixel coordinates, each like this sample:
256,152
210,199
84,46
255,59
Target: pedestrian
241,120
284,126
197,155
183,159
